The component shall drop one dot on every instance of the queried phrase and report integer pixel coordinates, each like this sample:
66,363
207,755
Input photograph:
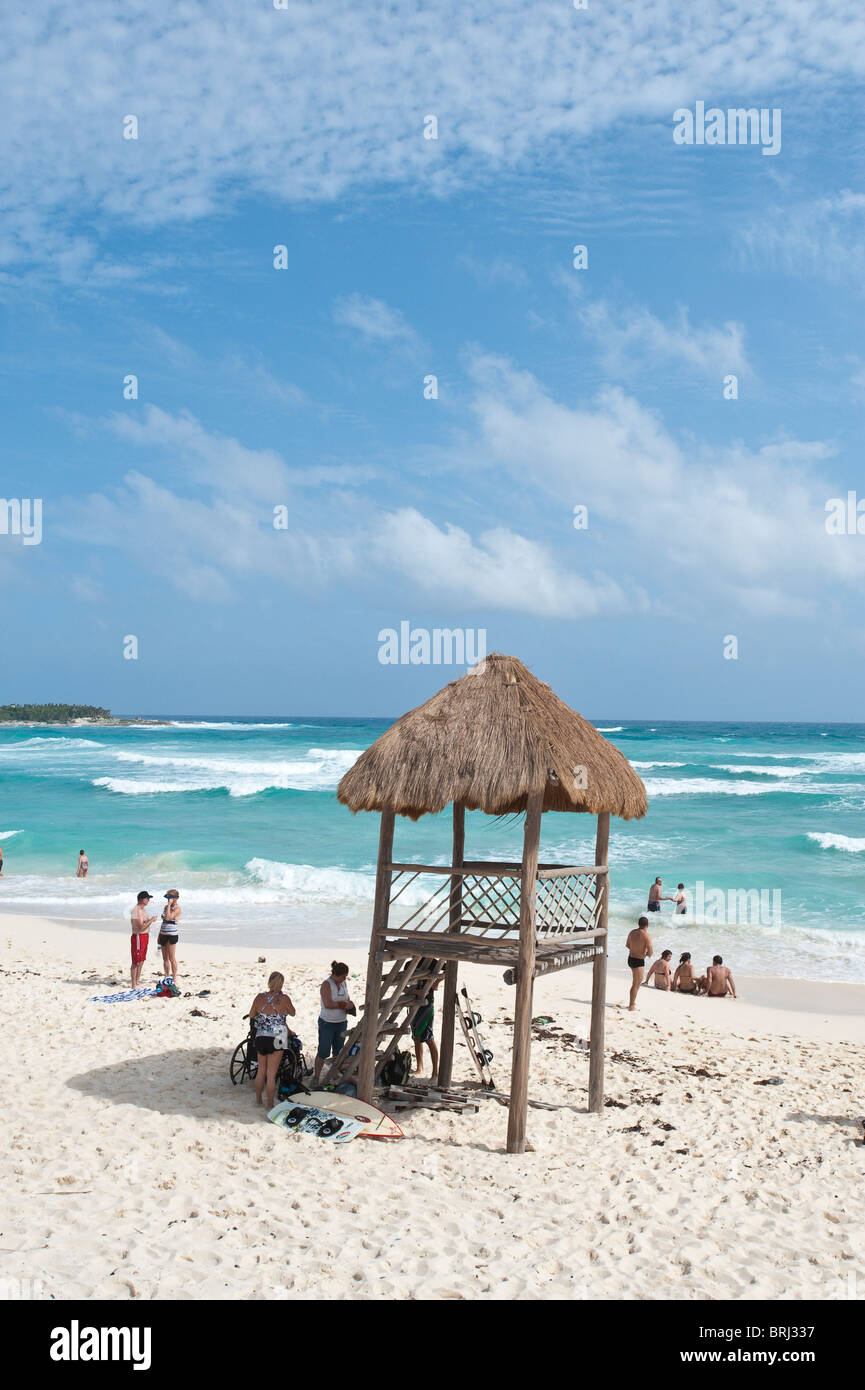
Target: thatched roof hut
490,741
497,741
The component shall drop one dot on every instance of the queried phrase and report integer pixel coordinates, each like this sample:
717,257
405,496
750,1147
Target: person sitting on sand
684,980
83,864
660,971
141,925
169,933
656,898
269,1013
422,1027
639,945
332,1021
718,982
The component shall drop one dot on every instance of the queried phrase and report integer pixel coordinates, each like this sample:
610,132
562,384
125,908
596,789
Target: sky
704,583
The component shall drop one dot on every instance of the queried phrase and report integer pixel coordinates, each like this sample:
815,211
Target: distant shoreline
116,723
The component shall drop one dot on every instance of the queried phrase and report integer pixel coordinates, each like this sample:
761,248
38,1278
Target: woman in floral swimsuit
269,1012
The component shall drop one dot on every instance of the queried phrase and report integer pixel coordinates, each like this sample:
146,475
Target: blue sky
557,387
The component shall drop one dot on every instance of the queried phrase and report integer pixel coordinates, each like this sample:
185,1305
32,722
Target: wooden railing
482,898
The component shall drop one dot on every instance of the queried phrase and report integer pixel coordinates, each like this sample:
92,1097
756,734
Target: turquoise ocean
240,815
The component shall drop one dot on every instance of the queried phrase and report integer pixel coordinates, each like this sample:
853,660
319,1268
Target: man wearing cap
141,925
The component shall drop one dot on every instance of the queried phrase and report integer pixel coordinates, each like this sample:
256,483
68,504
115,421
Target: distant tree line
51,714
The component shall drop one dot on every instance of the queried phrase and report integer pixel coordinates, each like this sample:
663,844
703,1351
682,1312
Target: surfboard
303,1118
377,1125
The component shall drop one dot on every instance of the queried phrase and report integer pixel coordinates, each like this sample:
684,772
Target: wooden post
449,988
599,976
525,971
369,1037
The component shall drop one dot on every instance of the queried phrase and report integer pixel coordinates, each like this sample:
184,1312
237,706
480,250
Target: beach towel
124,995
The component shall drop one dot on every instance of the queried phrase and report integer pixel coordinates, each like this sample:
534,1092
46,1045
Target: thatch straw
491,740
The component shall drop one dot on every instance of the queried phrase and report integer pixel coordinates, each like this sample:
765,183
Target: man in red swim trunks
141,925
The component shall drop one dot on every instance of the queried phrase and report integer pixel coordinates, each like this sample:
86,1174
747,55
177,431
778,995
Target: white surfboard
376,1124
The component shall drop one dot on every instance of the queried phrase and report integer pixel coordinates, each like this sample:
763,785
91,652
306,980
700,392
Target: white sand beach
133,1169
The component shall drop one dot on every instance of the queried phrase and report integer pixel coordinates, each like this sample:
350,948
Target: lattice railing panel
567,901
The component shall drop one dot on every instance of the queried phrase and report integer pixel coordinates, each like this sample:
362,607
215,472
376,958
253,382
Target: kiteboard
303,1118
469,1020
376,1124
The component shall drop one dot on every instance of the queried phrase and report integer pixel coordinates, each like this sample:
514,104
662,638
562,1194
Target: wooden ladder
403,995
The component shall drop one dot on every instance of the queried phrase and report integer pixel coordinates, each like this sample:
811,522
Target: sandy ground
132,1168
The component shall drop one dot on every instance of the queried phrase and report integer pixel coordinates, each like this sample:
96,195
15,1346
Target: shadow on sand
189,1081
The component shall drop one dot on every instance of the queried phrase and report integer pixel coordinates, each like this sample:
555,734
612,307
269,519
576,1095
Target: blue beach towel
124,995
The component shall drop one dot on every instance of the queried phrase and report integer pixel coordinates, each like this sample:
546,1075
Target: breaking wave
845,842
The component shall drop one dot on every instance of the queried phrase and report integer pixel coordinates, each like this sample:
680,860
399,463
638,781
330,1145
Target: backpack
291,1069
167,989
397,1070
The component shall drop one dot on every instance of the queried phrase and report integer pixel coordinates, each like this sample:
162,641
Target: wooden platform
573,948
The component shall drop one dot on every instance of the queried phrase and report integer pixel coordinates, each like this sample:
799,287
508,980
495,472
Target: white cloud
823,238
734,520
629,337
206,545
375,321
501,570
307,104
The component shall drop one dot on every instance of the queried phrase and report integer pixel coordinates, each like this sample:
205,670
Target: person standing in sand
1,861
141,925
332,1020
660,971
718,981
269,1013
422,1027
639,945
83,864
169,933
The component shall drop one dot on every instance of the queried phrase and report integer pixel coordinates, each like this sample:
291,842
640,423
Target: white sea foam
205,724
845,763
759,771
305,883
126,786
319,770
845,842
636,764
60,741
616,729
709,786
7,834
264,882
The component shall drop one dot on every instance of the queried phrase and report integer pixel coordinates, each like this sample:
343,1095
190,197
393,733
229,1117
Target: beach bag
167,989
291,1068
397,1070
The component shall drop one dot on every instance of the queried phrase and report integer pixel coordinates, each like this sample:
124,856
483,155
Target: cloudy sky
303,388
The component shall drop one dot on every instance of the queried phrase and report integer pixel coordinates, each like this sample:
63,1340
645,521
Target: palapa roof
490,740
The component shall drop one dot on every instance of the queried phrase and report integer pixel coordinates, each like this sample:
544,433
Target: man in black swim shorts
639,945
